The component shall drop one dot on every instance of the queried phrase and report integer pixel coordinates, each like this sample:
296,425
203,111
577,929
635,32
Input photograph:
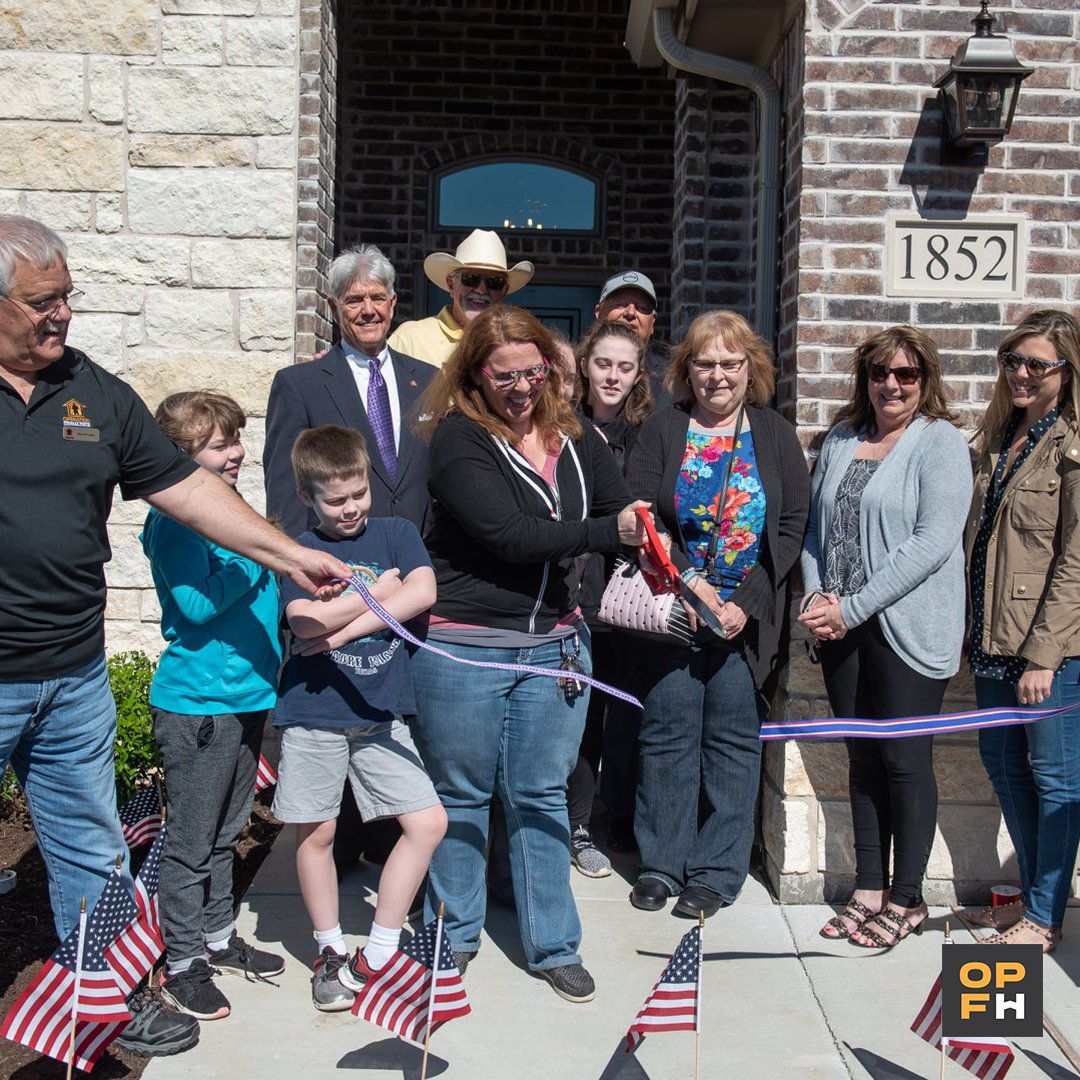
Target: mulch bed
27,935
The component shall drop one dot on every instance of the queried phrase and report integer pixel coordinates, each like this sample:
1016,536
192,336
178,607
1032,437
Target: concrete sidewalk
778,1000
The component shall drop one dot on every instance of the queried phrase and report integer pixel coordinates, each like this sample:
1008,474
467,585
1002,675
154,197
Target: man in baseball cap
630,297
476,276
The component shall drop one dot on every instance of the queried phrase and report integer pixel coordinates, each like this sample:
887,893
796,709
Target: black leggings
891,781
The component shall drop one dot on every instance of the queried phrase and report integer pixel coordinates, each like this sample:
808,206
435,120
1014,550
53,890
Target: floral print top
697,491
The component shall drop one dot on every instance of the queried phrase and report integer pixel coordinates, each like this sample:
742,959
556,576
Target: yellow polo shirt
432,339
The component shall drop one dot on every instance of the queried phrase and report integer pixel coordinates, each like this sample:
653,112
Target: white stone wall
159,137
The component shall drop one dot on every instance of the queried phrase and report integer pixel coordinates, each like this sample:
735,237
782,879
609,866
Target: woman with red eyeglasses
883,571
1023,551
521,487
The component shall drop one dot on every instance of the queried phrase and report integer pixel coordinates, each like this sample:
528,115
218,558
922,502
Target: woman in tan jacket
1023,555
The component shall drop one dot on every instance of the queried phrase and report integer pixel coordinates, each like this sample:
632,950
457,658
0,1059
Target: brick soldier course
205,158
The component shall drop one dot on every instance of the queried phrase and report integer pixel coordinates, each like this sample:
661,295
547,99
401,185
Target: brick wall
316,168
871,144
715,155
159,138
426,84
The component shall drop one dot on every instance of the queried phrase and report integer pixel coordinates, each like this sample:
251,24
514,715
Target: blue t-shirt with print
366,681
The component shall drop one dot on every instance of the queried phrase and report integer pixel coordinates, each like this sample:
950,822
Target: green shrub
138,759
9,786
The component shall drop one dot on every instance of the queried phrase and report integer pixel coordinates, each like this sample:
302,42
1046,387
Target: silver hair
29,240
363,262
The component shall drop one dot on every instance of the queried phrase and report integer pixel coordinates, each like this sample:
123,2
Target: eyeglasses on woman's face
907,375
1036,367
507,380
707,367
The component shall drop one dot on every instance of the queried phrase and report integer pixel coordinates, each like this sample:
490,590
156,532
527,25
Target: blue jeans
58,735
1035,770
481,731
699,734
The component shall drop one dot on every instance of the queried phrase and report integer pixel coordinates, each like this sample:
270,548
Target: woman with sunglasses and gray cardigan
883,572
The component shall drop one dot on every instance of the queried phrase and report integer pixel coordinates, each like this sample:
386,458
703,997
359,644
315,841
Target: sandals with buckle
1025,932
848,921
993,918
896,925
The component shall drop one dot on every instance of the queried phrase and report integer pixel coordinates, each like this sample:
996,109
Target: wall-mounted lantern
979,92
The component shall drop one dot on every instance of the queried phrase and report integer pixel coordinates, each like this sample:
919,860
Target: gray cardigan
911,525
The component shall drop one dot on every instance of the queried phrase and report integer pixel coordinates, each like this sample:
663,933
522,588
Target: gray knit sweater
911,524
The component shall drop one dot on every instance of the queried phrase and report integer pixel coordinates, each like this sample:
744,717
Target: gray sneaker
154,1030
327,992
571,982
586,856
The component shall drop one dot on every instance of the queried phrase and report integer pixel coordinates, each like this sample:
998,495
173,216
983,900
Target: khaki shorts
380,761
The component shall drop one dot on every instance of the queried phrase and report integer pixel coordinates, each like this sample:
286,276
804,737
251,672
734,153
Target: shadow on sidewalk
881,1068
393,1054
624,1066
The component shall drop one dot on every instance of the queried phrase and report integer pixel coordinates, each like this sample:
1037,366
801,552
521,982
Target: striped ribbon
522,669
903,727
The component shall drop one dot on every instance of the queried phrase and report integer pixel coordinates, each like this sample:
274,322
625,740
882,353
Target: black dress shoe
649,894
697,900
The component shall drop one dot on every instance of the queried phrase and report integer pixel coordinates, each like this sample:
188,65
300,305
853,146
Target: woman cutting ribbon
521,487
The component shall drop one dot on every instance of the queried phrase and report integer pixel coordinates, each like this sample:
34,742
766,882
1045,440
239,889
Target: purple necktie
382,423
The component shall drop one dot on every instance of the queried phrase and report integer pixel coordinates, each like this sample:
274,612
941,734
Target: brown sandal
1025,928
896,925
855,912
993,918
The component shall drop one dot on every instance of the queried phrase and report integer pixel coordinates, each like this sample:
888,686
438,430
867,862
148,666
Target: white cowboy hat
480,250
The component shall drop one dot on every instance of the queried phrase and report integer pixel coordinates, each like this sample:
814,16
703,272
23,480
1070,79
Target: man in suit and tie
361,383
364,384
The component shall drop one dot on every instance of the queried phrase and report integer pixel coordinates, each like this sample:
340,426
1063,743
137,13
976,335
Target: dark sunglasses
1012,361
492,281
905,376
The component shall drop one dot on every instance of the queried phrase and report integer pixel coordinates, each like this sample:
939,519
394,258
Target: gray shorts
381,762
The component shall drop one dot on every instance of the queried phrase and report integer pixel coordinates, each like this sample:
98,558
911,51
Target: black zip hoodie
502,540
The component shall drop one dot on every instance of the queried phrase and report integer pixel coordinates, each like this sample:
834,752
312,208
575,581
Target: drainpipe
698,62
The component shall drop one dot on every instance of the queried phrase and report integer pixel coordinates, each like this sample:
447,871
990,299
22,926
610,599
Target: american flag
986,1058
674,1003
265,777
140,818
131,956
41,1018
398,997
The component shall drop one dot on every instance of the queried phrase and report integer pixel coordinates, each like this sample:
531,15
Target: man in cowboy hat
476,276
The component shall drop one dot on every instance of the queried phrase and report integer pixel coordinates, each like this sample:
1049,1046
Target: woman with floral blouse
704,701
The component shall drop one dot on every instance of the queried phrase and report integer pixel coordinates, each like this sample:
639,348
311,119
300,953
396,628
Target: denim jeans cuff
673,886
556,962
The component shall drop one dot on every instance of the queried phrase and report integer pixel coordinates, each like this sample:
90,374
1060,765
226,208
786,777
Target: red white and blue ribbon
907,726
521,669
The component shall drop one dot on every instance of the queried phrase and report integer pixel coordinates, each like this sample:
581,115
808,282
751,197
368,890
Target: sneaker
586,856
327,992
240,958
571,982
356,972
461,961
193,992
154,1030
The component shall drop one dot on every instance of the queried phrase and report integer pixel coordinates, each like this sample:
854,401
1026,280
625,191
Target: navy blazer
324,391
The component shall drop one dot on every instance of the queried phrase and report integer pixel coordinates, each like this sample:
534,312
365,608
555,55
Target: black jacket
324,392
502,542
652,473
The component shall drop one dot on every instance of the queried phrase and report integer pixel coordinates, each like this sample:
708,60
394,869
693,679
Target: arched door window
519,194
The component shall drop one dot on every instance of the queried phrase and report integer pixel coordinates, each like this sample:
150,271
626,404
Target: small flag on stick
412,990
41,1018
265,777
674,1003
140,818
986,1058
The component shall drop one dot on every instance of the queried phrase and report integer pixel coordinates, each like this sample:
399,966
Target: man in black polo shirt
69,434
